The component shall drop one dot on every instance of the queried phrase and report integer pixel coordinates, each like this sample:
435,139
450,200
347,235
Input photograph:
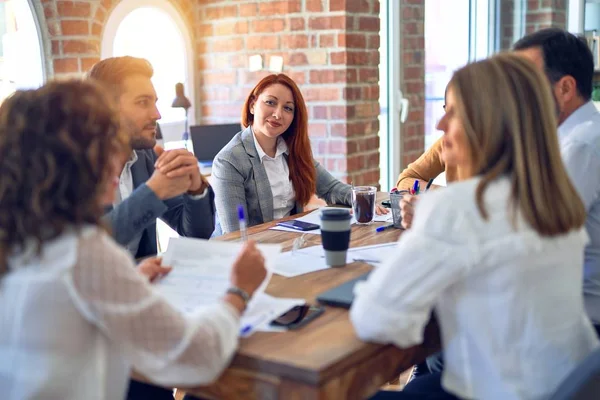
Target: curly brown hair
56,148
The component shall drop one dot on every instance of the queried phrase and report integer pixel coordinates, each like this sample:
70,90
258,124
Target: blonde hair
507,111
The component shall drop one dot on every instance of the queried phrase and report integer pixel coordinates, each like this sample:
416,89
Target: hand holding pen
242,221
247,273
407,204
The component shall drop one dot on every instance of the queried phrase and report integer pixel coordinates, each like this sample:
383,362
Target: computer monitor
208,140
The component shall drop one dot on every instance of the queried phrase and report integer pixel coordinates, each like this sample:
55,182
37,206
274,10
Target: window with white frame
21,65
154,30
456,32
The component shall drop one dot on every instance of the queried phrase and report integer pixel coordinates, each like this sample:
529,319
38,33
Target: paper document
263,309
290,264
200,278
374,254
384,217
201,271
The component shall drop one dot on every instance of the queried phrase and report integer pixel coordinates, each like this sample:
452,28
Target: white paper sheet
290,264
201,271
374,254
263,309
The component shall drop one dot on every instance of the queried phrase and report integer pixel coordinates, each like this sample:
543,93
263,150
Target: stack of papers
315,218
200,278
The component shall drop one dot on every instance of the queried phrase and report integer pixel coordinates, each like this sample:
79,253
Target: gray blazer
239,177
138,213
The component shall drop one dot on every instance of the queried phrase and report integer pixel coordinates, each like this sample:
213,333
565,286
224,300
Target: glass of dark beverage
363,203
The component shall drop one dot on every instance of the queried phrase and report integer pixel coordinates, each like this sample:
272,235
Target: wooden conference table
324,359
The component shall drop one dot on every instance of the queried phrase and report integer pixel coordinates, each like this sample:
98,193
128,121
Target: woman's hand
248,270
248,273
407,209
381,210
152,268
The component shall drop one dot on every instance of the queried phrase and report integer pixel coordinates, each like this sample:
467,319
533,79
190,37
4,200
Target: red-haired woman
268,167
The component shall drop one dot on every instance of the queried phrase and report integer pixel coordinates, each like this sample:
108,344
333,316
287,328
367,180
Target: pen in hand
242,221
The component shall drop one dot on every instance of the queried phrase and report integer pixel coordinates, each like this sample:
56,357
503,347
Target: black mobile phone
386,204
298,316
299,225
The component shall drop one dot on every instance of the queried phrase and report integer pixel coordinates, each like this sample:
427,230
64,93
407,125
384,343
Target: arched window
21,65
154,30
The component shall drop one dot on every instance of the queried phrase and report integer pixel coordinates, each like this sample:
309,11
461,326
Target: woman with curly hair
76,315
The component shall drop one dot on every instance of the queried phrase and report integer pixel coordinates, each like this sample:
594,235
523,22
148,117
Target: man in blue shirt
568,63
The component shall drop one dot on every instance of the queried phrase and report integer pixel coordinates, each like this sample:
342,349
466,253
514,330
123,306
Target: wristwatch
241,293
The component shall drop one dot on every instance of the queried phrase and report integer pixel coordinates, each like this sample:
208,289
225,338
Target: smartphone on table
299,225
298,316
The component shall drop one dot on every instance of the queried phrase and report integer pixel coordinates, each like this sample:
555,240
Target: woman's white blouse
278,172
75,320
509,301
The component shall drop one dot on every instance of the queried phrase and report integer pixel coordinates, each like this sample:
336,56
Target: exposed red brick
248,10
262,42
314,5
73,9
227,45
279,7
221,12
326,23
327,40
271,25
299,41
80,47
75,27
297,24
88,62
65,65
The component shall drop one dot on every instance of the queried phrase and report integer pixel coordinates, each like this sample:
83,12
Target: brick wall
329,47
544,14
75,32
413,82
538,14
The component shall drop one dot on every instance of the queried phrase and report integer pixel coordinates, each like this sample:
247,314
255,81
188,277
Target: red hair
300,160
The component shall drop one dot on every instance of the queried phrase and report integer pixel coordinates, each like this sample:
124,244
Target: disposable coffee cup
335,235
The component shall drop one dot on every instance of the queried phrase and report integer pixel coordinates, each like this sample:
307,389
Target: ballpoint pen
249,328
416,187
429,184
242,221
383,228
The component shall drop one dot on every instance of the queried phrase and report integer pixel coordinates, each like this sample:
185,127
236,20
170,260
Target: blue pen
383,228
242,221
416,186
245,330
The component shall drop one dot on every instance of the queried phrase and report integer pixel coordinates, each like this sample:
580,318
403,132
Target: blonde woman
505,276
